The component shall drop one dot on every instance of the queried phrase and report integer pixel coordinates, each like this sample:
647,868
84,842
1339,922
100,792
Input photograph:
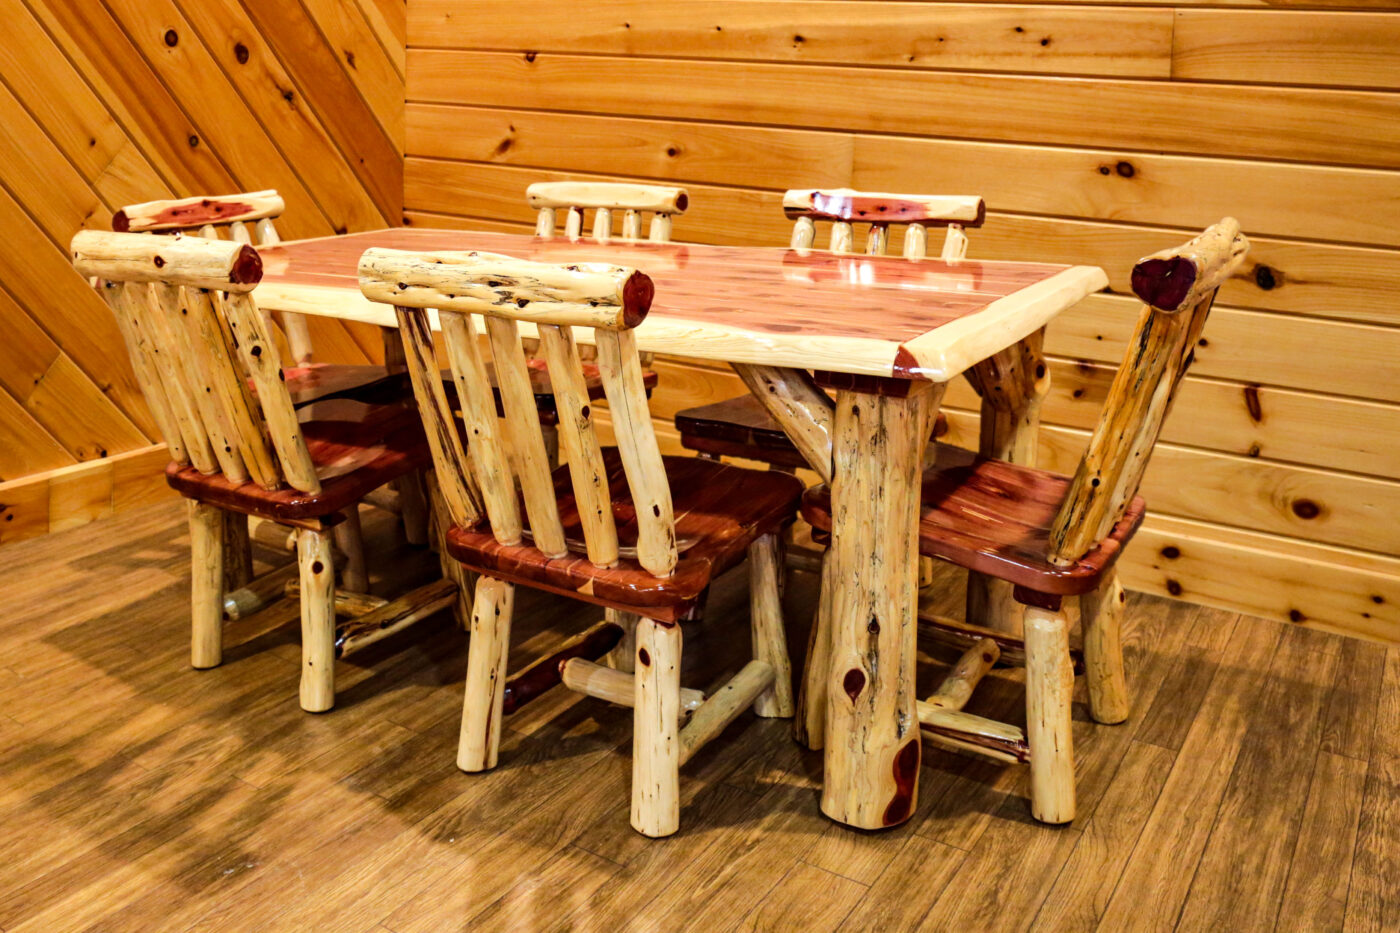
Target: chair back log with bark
624,528
605,199
1049,536
212,376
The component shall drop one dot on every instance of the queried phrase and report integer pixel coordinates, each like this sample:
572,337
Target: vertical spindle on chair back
481,481
195,337
1177,287
603,198
845,207
211,218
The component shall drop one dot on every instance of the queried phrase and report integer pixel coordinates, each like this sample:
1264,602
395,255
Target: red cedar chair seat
720,510
994,517
356,448
314,382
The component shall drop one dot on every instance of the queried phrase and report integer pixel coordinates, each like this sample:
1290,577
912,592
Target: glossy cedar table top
869,315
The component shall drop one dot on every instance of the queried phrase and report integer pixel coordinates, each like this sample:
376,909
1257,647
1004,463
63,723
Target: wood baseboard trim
75,495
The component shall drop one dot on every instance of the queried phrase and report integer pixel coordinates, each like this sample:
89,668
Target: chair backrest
224,216
1177,287
844,207
208,216
603,198
195,338
480,482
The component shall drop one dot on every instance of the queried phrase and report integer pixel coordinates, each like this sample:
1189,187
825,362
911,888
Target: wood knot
172,38
643,658
317,566
1295,616
1306,509
240,53
1171,552
853,683
1173,588
1266,278
1125,169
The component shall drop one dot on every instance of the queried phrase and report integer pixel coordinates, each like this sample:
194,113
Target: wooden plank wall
1097,133
104,104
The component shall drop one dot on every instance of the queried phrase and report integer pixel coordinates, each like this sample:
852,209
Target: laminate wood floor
1256,786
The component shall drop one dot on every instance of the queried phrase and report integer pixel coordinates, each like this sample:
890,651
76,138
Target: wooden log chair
228,216
1051,537
211,373
741,426
605,199
624,528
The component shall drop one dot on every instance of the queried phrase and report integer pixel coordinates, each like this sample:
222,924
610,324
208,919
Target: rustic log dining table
886,334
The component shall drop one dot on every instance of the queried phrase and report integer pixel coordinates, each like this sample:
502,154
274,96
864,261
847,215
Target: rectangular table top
867,315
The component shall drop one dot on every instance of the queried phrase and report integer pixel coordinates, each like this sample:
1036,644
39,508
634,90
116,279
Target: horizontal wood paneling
1277,198
1346,50
1282,459
980,37
1298,124
108,104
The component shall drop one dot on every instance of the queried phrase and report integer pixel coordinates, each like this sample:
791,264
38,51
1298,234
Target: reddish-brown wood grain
762,290
720,510
356,448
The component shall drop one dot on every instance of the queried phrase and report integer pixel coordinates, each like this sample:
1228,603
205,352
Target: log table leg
872,726
1012,385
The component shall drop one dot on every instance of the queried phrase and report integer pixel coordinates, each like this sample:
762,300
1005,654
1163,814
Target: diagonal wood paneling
108,103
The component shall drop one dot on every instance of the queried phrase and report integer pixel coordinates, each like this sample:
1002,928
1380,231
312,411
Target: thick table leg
872,731
1012,385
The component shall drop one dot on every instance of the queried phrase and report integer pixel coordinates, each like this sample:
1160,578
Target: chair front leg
487,653
766,618
1101,614
656,784
1049,729
207,526
317,574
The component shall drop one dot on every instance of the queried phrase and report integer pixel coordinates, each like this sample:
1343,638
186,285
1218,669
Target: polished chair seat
355,447
720,510
995,517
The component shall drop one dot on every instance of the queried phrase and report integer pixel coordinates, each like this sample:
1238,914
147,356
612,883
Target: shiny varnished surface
740,304
356,448
720,509
994,517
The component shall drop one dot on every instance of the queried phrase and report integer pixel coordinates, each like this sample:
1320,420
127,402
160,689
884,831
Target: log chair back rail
213,217
627,529
605,198
1049,537
211,374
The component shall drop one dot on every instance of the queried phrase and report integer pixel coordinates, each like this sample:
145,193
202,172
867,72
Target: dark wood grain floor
1256,786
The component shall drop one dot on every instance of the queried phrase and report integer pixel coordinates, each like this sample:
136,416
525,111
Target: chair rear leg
413,508
656,785
238,551
317,574
624,656
1101,614
809,728
206,584
766,618
353,576
1049,730
487,653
